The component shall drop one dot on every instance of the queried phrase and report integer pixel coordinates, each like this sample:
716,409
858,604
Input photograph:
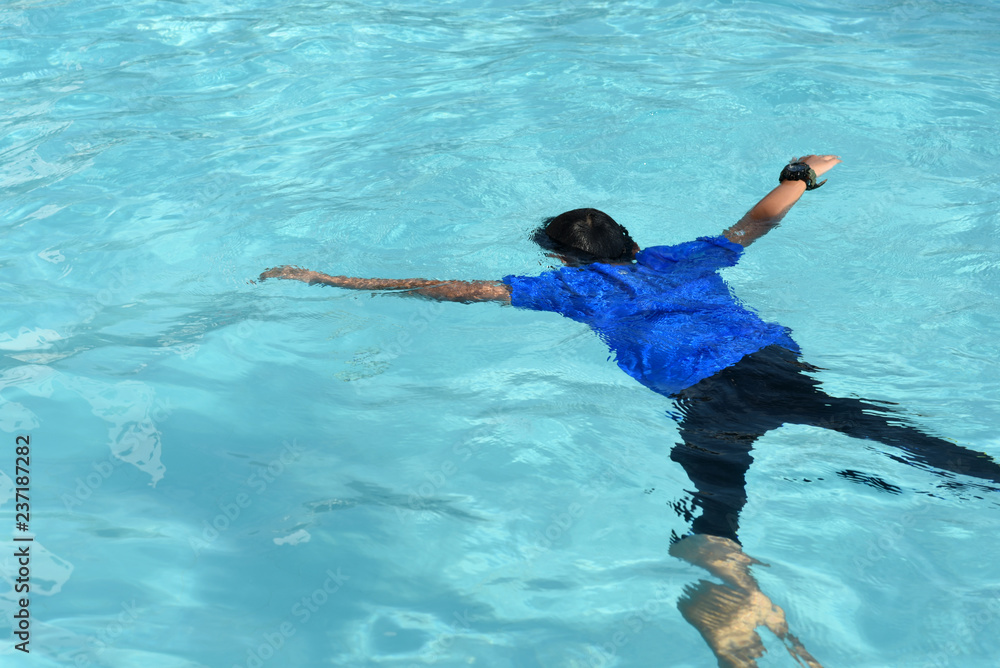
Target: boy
674,326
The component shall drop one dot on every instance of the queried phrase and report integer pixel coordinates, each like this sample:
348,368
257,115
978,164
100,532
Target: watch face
798,169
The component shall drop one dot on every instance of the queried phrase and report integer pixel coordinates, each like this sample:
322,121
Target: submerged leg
721,418
774,382
728,615
864,420
716,462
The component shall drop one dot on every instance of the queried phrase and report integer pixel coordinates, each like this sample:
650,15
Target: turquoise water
232,474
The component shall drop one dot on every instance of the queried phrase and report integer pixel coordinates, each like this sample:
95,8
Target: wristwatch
800,171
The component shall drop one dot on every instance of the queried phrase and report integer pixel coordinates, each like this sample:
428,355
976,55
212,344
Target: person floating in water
673,325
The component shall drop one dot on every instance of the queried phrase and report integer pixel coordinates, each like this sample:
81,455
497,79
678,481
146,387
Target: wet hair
584,236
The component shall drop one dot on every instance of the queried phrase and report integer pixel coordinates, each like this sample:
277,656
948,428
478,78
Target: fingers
284,271
824,158
269,273
799,652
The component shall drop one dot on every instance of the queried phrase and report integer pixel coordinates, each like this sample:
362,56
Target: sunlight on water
227,473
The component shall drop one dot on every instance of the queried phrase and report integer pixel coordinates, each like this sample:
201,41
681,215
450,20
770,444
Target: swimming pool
233,474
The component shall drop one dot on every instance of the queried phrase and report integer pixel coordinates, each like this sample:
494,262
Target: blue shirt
669,318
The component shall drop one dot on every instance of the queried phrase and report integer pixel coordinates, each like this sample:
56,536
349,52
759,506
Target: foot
728,615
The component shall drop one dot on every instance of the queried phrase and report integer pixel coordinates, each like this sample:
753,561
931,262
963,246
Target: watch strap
806,175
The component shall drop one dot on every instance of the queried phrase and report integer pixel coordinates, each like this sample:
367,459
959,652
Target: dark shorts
723,415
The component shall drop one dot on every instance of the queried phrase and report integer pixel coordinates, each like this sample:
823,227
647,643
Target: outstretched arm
452,291
768,212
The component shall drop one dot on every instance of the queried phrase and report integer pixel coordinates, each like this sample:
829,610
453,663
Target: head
582,236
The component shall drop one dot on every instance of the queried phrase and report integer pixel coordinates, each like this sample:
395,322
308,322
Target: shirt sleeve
538,293
705,253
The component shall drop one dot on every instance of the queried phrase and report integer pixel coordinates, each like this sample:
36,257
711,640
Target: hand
289,272
819,163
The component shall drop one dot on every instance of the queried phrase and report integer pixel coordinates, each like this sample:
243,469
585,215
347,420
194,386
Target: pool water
226,473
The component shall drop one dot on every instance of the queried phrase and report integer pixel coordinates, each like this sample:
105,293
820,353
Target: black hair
585,236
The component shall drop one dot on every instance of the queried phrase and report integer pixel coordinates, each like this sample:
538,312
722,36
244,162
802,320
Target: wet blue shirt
669,318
